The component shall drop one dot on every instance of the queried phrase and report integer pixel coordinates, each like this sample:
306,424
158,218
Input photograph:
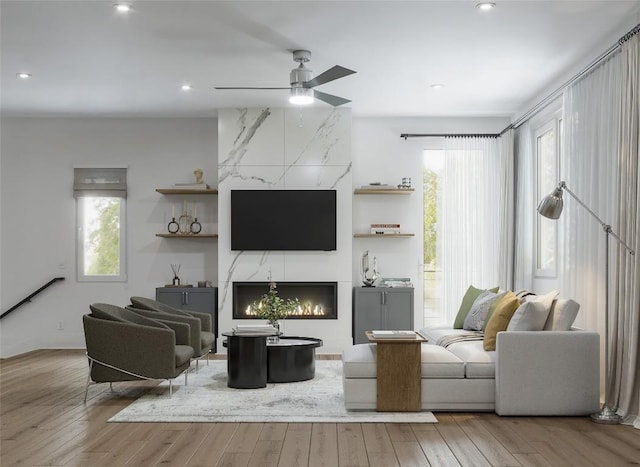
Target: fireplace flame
307,309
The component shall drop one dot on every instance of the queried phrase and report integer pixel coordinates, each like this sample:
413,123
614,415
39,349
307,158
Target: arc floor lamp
551,207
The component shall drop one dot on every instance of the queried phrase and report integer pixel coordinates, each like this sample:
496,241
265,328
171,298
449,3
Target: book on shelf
191,186
393,334
382,229
378,186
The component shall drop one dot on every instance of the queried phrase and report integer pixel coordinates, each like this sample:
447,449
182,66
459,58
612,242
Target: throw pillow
562,315
546,299
530,316
468,299
503,310
479,310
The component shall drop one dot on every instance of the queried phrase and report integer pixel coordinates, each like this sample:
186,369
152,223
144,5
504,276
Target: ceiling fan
301,90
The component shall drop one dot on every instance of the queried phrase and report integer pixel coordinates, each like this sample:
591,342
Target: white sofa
530,373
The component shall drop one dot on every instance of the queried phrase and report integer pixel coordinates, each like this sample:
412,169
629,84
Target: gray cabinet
381,308
202,299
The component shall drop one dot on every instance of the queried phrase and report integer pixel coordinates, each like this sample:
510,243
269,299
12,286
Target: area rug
208,399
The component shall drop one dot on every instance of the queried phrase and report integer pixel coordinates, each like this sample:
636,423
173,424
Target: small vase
276,324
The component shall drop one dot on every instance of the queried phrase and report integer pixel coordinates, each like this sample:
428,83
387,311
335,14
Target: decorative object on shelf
273,308
551,207
196,227
198,174
176,270
185,220
396,282
173,226
405,184
369,276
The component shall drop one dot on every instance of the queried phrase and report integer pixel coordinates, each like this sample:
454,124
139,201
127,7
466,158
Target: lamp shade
551,205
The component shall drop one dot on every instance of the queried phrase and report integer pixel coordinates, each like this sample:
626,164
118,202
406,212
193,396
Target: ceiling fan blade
237,87
330,98
331,74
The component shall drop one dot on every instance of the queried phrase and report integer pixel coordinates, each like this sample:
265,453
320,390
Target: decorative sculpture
369,276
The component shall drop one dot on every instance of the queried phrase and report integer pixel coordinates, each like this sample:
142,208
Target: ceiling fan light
301,96
486,6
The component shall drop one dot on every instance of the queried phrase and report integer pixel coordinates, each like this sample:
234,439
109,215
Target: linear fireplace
318,300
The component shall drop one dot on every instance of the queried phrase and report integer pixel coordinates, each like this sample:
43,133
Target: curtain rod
551,97
449,135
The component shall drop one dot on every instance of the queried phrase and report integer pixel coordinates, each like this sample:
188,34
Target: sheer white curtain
626,329
525,210
602,126
473,215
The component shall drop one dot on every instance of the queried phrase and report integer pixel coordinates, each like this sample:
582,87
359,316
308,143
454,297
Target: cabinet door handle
186,298
384,298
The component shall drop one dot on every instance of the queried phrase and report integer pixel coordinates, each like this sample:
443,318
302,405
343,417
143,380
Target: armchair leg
170,388
86,389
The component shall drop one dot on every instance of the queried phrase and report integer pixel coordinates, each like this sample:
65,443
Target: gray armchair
202,333
124,346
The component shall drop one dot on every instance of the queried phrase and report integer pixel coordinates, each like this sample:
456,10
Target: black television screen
283,220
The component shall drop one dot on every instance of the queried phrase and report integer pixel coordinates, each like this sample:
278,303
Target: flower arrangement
273,308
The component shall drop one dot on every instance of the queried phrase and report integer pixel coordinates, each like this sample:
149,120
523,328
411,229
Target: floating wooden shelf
186,191
380,191
402,235
176,235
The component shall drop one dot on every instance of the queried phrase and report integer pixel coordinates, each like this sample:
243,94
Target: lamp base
606,416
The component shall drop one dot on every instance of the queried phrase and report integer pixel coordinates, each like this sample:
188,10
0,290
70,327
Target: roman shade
100,181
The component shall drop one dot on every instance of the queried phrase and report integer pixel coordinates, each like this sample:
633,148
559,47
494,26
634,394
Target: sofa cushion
530,316
468,299
479,363
562,315
480,309
359,361
499,319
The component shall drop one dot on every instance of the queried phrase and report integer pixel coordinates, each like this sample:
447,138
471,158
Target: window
101,219
547,151
432,274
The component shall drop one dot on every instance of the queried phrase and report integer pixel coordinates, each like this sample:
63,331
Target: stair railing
28,298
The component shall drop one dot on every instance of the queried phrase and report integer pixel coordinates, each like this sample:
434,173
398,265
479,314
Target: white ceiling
86,59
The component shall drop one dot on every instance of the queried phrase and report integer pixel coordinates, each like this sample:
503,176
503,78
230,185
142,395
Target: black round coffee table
291,358
253,360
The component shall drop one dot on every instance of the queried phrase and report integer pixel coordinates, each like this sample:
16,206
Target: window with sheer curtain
474,217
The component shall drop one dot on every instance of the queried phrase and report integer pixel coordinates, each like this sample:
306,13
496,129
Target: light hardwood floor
44,422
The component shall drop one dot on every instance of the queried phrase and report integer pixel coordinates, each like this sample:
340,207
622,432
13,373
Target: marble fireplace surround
287,149
318,300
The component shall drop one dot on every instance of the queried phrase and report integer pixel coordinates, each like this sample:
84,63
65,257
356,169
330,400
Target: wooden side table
398,373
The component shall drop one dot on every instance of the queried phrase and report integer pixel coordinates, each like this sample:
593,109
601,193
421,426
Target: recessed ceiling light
122,7
186,87
485,6
23,75
437,86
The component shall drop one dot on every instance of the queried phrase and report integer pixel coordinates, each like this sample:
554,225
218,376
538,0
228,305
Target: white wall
37,232
38,212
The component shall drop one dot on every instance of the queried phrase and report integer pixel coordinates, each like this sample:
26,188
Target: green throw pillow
467,301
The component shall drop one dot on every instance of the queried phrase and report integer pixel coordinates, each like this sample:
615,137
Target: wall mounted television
303,220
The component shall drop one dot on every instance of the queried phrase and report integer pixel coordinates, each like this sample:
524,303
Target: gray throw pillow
480,309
